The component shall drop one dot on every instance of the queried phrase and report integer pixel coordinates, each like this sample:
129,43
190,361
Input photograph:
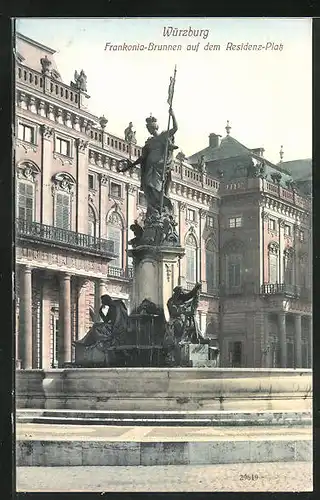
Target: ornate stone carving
131,189
32,104
282,222
182,206
27,170
45,65
46,131
82,145
80,81
115,219
168,271
64,182
273,247
203,213
104,179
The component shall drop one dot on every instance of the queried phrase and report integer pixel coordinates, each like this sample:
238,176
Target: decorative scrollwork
64,182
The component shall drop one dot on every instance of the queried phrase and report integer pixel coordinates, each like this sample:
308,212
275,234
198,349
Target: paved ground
271,477
58,432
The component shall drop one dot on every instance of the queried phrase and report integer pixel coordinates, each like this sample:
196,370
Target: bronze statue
183,327
152,165
138,233
114,324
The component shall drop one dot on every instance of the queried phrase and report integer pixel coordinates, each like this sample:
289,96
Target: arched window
191,258
211,265
62,212
273,258
92,222
115,234
26,182
63,185
288,264
25,201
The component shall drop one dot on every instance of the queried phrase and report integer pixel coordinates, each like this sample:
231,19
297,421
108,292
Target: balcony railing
118,272
42,233
285,289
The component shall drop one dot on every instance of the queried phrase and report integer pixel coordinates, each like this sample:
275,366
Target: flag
171,88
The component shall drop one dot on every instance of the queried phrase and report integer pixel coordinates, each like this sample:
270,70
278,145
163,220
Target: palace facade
245,224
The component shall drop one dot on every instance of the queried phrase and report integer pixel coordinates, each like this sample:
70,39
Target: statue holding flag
156,162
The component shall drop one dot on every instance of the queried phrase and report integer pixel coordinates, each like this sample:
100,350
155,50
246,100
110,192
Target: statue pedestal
156,274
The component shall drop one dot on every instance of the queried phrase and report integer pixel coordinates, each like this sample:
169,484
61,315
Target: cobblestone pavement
293,477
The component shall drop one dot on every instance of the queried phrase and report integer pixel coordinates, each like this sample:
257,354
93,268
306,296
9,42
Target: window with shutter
62,219
91,222
191,259
273,263
115,234
25,201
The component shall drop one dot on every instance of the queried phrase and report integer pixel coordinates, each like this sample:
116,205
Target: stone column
26,317
282,339
99,288
65,320
297,341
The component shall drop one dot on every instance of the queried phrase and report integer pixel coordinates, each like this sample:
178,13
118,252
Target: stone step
159,418
67,445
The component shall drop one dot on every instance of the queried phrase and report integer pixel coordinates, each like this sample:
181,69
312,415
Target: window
62,146
191,214
234,270
210,221
25,201
91,181
92,223
301,235
142,200
211,265
272,225
273,263
115,234
287,230
191,259
288,266
26,133
62,211
115,190
235,221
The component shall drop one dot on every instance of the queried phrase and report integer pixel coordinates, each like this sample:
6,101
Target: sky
266,95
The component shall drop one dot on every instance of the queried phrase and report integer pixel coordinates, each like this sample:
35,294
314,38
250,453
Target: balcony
35,232
286,290
119,273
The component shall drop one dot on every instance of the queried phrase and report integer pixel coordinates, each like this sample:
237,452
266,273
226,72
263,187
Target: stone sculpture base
156,273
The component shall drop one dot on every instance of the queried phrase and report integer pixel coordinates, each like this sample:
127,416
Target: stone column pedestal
155,274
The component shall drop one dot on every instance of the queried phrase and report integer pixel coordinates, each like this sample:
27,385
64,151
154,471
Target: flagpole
170,98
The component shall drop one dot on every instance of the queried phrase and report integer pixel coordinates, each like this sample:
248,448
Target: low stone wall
165,389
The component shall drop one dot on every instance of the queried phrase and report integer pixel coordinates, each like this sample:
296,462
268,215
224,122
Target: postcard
163,283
